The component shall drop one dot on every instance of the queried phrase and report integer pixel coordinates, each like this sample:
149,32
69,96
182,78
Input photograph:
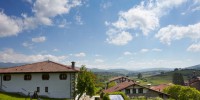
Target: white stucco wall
56,88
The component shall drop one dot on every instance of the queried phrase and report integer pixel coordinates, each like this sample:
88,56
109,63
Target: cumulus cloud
118,38
78,20
28,45
105,5
9,26
42,15
175,32
137,18
99,60
156,49
194,48
143,17
127,53
144,50
9,55
39,39
81,54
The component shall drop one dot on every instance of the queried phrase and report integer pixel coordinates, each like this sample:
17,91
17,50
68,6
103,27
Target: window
27,77
140,90
134,91
127,91
63,76
45,76
38,89
46,89
7,77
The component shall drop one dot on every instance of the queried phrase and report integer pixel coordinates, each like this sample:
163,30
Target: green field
166,78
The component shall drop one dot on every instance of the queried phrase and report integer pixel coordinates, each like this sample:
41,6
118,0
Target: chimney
73,65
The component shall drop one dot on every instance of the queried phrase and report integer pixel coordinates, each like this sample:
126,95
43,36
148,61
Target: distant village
53,80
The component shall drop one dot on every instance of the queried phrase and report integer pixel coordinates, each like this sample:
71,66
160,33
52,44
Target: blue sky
129,34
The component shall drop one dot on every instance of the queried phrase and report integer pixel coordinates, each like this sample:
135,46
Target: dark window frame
140,90
46,89
127,91
7,77
45,76
27,77
134,91
38,89
63,76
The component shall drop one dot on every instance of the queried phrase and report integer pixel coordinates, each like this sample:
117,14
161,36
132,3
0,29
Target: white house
132,89
48,78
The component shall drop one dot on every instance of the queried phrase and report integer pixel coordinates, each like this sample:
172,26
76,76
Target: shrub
182,92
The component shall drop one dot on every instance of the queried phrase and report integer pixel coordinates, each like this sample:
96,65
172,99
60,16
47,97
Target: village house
132,89
119,79
47,78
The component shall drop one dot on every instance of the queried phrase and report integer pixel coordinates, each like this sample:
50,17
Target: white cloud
97,55
55,50
137,18
42,15
9,26
99,60
81,54
144,17
106,5
156,49
127,53
107,23
194,48
78,20
39,39
118,38
144,50
28,45
64,23
9,55
173,32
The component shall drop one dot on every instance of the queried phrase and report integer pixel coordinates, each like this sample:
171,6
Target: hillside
167,77
194,67
4,65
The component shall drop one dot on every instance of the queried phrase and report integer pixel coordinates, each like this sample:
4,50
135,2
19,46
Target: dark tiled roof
119,87
118,77
45,66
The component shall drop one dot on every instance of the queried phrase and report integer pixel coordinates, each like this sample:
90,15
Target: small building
133,90
120,79
47,78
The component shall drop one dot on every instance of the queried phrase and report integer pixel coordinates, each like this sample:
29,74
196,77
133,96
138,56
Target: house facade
48,79
133,90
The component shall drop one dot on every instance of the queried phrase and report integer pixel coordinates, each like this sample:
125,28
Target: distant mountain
120,71
155,69
5,65
194,67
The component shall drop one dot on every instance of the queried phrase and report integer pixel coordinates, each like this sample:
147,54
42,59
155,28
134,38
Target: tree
139,75
177,79
85,82
182,92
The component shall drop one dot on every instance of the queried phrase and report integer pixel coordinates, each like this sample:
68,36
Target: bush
182,92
